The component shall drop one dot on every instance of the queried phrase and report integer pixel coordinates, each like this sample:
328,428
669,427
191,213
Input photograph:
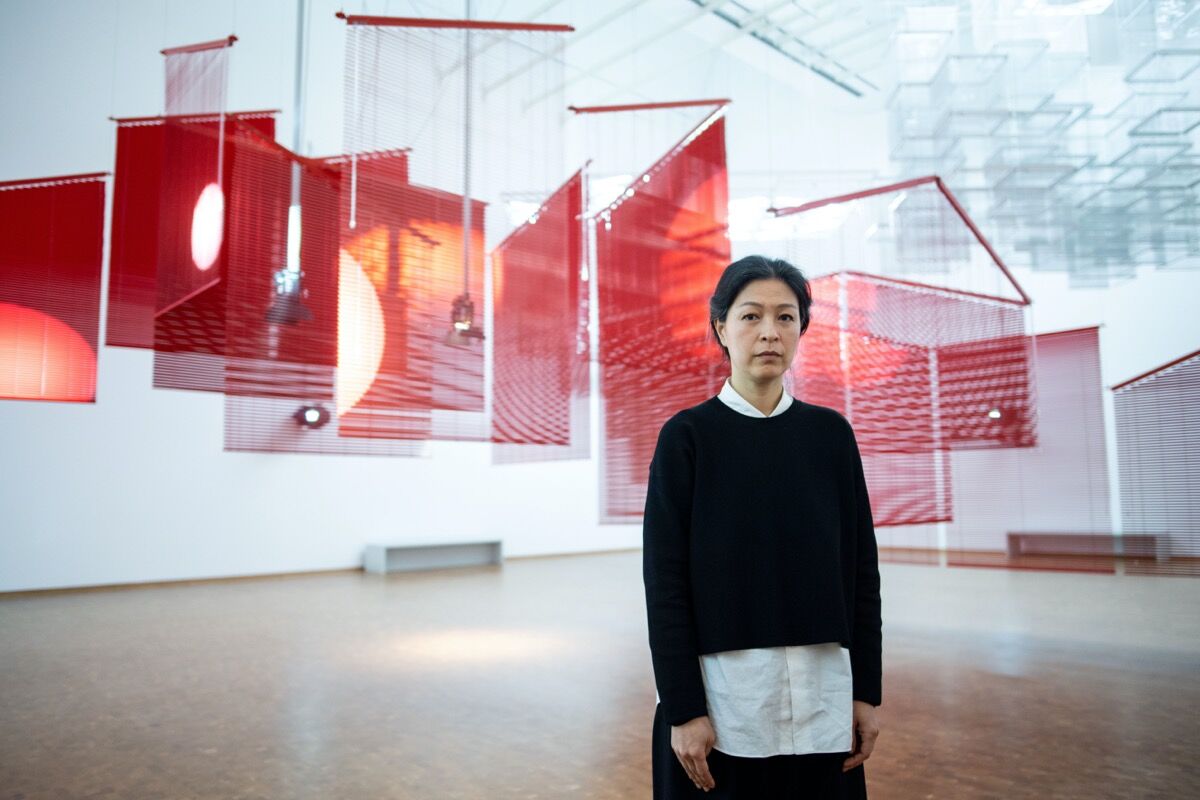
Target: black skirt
811,776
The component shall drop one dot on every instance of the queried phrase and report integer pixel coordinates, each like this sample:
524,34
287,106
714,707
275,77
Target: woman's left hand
866,731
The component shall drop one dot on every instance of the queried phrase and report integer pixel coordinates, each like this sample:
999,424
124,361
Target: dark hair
753,268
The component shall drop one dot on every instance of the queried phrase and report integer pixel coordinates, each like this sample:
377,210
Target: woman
761,572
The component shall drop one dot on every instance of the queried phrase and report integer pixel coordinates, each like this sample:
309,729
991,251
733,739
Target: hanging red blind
882,379
477,106
284,320
133,238
399,262
660,249
192,230
190,314
817,370
139,194
910,489
287,324
919,370
431,245
50,260
280,320
189,335
540,348
193,219
902,338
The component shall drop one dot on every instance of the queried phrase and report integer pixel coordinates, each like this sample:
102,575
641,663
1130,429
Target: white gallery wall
136,487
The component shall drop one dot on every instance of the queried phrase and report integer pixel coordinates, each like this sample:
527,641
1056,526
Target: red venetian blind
139,195
282,318
540,346
476,107
190,313
50,261
660,248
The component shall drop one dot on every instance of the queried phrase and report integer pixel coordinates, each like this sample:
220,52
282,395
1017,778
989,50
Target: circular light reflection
208,226
361,333
43,358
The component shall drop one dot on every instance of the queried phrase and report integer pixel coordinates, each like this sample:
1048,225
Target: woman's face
762,330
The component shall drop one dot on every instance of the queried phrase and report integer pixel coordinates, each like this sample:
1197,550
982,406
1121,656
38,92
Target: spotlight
287,307
311,416
287,301
463,331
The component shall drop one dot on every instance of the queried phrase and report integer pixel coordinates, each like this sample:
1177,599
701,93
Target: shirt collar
731,398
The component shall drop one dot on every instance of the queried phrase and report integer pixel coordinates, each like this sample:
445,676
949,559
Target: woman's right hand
692,741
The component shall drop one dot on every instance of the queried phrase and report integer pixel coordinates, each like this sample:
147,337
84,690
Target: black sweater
757,533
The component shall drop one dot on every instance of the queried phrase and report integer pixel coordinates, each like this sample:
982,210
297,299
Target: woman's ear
719,329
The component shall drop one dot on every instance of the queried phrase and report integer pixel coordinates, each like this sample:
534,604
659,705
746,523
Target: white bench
384,558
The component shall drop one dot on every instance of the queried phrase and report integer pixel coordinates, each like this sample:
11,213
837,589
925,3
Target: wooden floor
532,680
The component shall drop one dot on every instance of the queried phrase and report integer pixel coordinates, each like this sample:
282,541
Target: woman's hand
692,742
866,731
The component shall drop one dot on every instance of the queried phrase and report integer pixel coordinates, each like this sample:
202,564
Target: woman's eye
748,316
